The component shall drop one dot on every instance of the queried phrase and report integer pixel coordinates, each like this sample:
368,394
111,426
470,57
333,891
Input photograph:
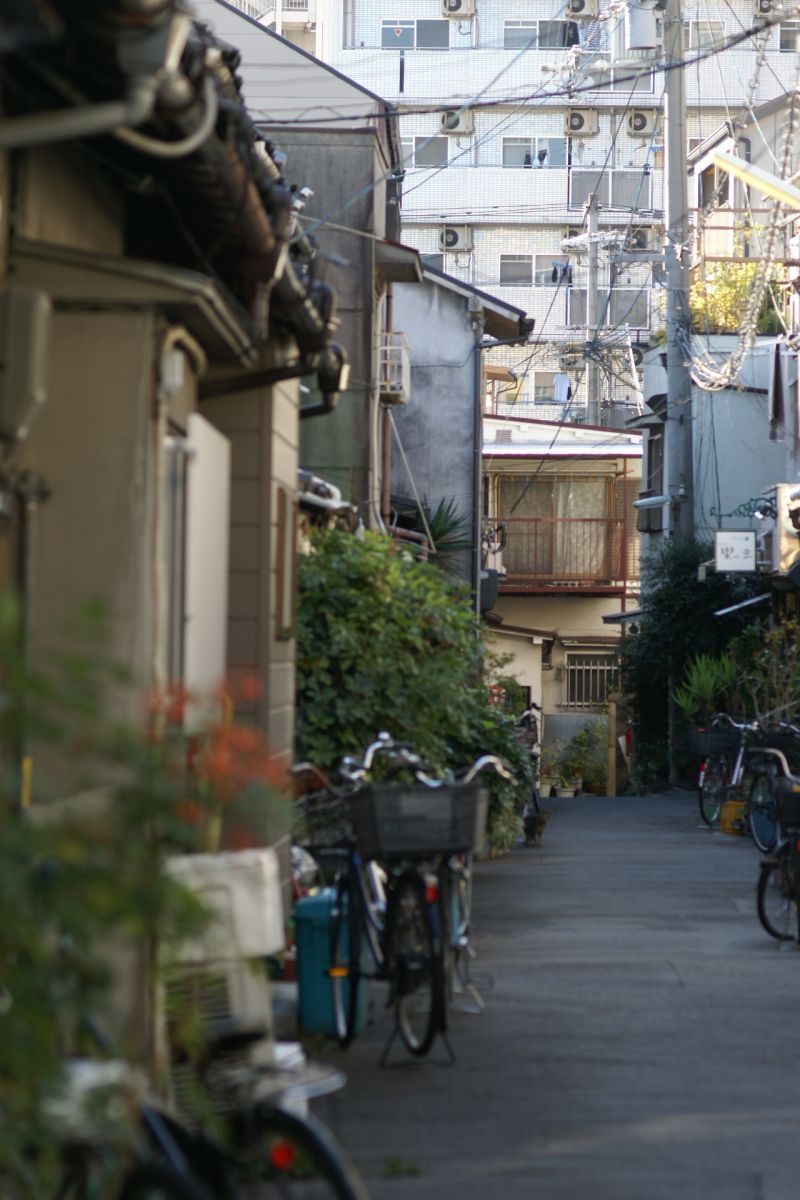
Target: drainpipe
386,468
478,323
31,490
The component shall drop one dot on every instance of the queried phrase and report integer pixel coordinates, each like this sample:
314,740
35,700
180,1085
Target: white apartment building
565,107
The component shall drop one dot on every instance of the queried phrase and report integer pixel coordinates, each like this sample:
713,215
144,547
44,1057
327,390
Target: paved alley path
641,1036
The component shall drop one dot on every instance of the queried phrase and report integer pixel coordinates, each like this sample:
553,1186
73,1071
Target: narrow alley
639,1040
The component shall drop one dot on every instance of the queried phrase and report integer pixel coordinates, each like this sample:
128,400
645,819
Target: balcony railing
543,553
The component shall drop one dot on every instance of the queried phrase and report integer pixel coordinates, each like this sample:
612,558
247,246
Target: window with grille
420,35
534,152
516,269
588,679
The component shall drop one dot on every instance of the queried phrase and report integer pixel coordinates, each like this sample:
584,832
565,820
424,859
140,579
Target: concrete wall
437,426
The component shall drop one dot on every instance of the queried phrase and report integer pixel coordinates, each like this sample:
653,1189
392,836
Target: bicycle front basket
413,821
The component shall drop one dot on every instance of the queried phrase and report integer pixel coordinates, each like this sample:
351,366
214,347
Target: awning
723,612
621,618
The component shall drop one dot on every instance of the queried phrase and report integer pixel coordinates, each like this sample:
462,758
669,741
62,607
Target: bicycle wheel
293,1156
416,971
761,814
158,1181
345,961
711,790
774,901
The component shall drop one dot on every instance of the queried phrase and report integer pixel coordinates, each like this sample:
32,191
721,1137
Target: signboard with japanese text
735,550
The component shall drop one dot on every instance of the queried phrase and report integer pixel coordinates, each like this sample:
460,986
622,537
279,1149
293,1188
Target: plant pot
546,785
565,792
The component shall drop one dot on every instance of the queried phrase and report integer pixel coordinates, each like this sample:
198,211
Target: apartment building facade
565,108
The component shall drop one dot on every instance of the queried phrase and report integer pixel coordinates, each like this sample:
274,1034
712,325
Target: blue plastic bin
313,917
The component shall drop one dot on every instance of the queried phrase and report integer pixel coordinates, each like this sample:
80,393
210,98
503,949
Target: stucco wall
93,444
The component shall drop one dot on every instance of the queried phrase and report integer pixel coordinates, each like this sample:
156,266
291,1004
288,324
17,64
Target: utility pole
592,367
678,459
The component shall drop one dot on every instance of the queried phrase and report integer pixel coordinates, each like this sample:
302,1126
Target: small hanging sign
735,550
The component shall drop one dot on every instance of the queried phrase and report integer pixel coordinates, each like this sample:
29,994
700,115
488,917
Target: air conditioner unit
777,538
458,8
456,122
643,238
638,355
642,122
764,8
582,8
455,239
581,122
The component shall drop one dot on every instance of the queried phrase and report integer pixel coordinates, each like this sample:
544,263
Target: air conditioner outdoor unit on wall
582,8
455,239
638,355
456,122
642,122
764,8
458,8
643,238
581,122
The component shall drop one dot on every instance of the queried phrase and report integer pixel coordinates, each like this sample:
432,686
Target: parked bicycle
150,1153
746,773
778,892
403,884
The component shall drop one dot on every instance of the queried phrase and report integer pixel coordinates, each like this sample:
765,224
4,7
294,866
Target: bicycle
403,886
778,890
748,773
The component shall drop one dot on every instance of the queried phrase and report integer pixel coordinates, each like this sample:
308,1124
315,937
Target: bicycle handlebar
354,771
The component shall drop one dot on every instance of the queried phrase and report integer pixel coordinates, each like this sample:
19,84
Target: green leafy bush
388,642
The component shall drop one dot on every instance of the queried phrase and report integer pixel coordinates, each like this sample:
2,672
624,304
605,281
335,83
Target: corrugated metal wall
564,726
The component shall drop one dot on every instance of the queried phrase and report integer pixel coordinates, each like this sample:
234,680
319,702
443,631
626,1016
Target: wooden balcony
568,554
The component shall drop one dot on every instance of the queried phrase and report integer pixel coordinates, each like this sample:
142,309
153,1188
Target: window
651,520
542,35
422,35
554,35
519,34
433,260
618,189
576,306
433,35
430,151
588,679
558,527
790,37
516,269
534,152
544,387
629,307
550,270
703,35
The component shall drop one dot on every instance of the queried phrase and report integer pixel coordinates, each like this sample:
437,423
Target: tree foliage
717,299
677,625
388,642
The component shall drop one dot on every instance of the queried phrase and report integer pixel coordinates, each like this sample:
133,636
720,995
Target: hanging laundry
562,389
541,156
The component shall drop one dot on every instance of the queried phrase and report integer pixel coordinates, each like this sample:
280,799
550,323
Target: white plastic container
242,889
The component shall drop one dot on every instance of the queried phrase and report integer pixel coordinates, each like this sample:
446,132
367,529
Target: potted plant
549,768
707,686
584,765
